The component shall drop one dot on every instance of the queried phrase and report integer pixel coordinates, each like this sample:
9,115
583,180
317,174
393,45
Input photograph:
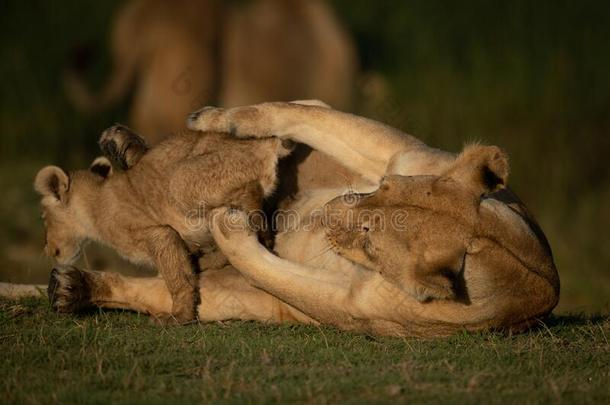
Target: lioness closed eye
154,211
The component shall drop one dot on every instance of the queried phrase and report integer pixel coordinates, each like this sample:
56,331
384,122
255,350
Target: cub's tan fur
182,54
154,212
457,251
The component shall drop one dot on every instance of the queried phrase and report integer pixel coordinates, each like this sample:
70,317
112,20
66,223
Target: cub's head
63,203
416,230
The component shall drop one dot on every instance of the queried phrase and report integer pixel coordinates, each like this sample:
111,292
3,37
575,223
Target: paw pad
68,290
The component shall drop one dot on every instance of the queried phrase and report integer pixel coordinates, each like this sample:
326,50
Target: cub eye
365,228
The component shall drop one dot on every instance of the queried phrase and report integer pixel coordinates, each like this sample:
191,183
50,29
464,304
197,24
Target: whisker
323,252
86,259
325,249
325,259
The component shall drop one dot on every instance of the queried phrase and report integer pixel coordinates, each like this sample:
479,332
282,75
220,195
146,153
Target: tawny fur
156,212
182,54
467,254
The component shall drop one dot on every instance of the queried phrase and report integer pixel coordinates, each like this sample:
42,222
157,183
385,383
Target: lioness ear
52,181
102,167
483,169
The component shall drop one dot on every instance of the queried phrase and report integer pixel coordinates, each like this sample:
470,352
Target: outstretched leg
225,295
368,147
347,299
122,146
71,290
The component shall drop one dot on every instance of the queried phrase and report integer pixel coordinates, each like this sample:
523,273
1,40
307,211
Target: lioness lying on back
154,211
426,243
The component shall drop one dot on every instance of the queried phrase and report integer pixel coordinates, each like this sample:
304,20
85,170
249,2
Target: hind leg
122,146
71,290
249,198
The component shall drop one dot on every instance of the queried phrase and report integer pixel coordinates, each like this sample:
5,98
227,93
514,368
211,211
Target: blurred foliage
531,77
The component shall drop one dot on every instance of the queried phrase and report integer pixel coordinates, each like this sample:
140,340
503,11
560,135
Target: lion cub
155,210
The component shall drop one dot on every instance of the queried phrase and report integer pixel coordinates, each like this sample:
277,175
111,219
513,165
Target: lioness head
62,207
416,230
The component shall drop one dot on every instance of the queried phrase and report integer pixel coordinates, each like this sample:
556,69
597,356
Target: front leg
329,295
224,294
363,145
71,290
174,263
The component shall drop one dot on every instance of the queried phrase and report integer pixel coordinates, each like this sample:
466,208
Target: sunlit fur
155,213
467,256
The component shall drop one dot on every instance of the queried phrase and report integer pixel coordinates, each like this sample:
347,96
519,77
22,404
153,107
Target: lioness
151,212
458,250
182,54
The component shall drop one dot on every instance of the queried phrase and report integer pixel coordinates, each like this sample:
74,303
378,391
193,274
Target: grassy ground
120,357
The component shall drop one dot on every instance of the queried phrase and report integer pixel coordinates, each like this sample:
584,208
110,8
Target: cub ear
483,169
52,181
102,167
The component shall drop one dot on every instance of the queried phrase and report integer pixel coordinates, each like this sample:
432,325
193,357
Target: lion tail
78,91
16,291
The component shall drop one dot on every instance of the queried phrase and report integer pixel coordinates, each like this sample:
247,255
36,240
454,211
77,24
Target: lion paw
434,288
122,146
68,289
232,232
208,119
241,122
232,223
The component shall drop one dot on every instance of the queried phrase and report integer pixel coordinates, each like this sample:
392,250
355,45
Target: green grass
120,357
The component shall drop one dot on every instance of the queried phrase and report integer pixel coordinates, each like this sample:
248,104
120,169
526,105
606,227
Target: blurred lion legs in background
182,54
